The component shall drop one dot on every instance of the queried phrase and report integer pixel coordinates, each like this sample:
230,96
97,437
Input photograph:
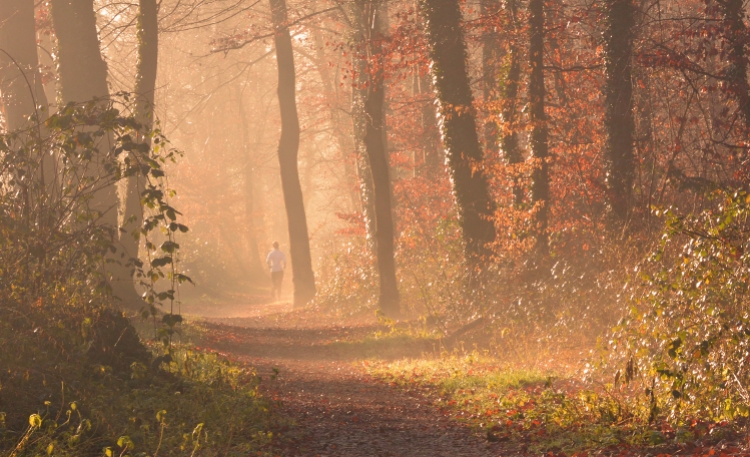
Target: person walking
276,261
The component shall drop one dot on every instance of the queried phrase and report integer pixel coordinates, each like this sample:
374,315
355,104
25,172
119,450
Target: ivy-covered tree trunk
299,242
509,142
736,36
366,187
145,87
459,127
431,147
21,86
537,117
619,123
372,127
488,10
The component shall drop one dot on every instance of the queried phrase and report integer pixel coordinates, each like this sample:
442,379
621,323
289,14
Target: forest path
338,408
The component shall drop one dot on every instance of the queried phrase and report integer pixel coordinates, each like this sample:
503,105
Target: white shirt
276,260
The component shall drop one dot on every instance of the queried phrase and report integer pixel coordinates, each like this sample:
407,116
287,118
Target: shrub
75,379
684,339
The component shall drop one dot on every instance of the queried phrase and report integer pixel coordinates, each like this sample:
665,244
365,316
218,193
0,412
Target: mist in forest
536,210
436,158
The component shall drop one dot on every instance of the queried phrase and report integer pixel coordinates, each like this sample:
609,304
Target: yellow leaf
35,420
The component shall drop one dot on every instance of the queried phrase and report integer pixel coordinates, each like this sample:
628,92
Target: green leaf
171,319
161,261
169,246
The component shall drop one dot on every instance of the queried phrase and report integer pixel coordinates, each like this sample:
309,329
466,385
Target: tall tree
370,110
82,75
459,127
488,10
255,266
21,86
735,34
299,242
145,87
537,117
430,141
82,71
619,122
509,138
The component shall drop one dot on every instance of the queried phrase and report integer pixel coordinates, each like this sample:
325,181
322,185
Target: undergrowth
671,375
75,378
532,412
195,404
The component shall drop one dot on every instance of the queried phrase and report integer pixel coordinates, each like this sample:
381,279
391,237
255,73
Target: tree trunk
255,265
82,76
20,80
299,242
511,148
431,147
21,89
81,69
459,128
372,108
490,64
145,86
736,37
537,117
366,186
619,123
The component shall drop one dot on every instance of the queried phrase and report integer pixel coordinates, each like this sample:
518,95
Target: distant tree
491,54
736,35
459,126
370,112
509,138
344,139
21,86
299,242
619,123
539,132
255,266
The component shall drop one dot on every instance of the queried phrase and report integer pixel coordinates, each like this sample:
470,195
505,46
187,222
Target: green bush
75,378
684,341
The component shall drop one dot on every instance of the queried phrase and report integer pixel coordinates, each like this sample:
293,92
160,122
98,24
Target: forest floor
316,371
322,376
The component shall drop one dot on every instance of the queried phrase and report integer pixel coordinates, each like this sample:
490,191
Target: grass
388,346
532,411
197,403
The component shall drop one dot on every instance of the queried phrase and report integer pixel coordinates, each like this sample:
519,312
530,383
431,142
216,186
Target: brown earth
338,409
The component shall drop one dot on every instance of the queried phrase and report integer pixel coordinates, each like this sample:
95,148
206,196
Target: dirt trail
339,409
